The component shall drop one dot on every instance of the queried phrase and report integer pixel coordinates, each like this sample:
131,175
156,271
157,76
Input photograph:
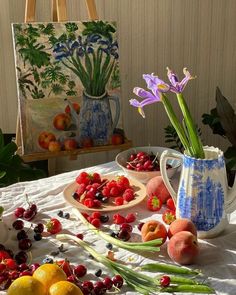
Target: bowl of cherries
142,163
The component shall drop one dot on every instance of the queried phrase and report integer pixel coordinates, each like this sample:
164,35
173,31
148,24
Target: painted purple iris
176,85
156,85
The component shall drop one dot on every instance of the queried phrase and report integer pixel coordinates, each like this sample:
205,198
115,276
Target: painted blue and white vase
96,120
203,193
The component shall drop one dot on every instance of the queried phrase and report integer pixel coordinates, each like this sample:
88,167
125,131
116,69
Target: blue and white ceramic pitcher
203,194
96,120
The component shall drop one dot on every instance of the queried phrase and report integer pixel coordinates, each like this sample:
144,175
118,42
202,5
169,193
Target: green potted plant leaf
222,121
12,167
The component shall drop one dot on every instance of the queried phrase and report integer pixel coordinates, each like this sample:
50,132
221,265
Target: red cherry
80,271
107,281
118,281
165,281
19,212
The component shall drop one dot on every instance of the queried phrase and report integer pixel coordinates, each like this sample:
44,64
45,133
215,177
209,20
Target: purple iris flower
176,85
156,85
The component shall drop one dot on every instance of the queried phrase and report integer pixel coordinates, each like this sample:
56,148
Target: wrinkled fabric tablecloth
217,259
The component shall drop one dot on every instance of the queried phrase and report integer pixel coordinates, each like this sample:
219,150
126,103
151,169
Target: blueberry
104,218
109,246
47,260
60,213
98,273
67,215
75,196
113,234
105,200
38,237
99,196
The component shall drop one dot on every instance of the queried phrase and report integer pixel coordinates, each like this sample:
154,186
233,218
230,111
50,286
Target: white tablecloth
217,258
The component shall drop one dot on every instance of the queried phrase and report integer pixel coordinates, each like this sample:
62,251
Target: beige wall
199,34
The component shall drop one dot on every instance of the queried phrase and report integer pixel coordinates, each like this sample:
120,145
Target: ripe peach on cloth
152,230
156,187
183,248
181,224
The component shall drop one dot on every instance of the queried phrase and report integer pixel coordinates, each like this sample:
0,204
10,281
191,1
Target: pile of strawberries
94,191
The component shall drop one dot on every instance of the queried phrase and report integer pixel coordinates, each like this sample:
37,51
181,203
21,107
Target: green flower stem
150,246
195,141
175,122
168,268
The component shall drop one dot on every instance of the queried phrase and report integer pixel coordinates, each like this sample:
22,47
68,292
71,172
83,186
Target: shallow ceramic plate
139,188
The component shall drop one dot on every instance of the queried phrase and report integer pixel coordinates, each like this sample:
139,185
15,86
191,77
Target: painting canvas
68,84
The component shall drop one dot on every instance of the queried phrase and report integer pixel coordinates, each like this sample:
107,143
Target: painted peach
152,230
45,138
54,146
62,121
70,144
156,187
183,248
181,224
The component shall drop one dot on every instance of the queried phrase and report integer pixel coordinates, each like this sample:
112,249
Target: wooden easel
59,14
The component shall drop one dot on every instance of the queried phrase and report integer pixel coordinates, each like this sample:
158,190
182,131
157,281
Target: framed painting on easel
68,84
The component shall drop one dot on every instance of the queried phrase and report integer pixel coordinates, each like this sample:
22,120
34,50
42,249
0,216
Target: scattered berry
18,224
104,218
54,226
107,281
80,236
98,273
154,203
109,246
130,218
140,226
48,260
19,212
168,216
96,222
123,235
67,216
37,237
165,281
80,271
117,281
127,227
60,213
118,219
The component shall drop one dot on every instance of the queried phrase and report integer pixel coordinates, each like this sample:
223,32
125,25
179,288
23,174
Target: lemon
26,285
48,274
64,288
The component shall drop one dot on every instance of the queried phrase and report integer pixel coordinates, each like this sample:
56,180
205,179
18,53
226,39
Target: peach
183,248
152,230
181,224
54,146
156,187
62,121
70,144
45,138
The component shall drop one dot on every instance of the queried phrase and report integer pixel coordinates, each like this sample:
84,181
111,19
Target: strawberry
118,219
154,203
170,204
53,226
168,216
65,265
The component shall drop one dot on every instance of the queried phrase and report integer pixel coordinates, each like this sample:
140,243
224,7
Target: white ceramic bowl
145,176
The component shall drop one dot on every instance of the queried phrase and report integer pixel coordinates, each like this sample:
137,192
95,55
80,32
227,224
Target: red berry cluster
143,161
96,218
125,229
75,273
154,203
13,266
93,191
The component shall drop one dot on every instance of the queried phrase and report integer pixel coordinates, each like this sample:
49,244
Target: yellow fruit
48,274
64,288
26,285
